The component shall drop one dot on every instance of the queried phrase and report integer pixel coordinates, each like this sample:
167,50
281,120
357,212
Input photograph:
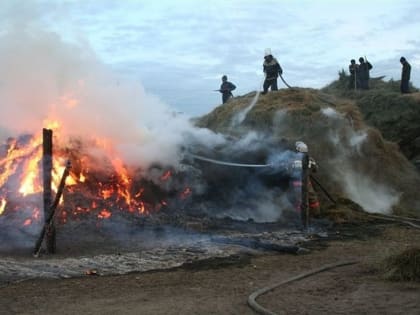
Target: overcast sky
179,49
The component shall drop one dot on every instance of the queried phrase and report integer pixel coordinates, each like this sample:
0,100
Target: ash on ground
121,245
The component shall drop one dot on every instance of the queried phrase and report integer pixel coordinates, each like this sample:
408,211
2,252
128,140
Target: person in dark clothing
364,68
272,70
226,89
405,75
354,74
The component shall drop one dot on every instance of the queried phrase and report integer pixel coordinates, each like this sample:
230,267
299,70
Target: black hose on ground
396,218
262,310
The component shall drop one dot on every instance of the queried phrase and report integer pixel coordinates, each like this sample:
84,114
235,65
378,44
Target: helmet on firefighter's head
224,78
301,147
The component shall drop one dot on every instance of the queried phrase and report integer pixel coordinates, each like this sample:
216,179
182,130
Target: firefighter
364,68
405,75
272,70
304,196
354,74
226,89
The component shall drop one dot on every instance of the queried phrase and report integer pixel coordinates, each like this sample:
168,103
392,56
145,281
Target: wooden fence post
47,158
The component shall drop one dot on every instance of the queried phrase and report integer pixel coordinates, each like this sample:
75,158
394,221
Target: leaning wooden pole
47,158
49,221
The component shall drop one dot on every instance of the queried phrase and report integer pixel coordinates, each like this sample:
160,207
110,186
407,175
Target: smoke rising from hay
357,183
47,79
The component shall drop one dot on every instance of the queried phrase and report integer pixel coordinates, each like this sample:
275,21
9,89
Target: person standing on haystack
364,68
405,75
226,89
272,70
354,74
304,197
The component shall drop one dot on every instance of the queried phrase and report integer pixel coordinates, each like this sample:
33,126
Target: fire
104,214
15,154
29,185
36,216
185,193
96,186
2,205
82,178
166,176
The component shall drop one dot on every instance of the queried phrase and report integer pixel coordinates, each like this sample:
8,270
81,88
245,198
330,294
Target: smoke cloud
45,79
358,185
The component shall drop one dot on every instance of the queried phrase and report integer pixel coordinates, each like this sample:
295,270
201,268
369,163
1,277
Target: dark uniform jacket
364,68
227,87
406,71
272,69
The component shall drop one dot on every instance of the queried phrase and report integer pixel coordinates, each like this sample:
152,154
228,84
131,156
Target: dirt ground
223,286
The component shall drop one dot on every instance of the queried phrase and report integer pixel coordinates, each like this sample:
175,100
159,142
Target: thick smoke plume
371,194
45,79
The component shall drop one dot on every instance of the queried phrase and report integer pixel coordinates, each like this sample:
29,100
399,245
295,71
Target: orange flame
187,191
104,214
29,183
82,178
112,189
166,176
2,205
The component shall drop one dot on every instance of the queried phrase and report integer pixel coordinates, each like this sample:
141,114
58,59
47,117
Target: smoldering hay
354,160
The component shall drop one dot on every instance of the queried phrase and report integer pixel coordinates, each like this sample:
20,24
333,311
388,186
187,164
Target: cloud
166,42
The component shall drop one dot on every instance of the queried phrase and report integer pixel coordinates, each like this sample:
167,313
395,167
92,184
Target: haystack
404,266
355,161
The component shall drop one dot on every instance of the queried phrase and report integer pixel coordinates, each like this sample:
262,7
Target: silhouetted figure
354,74
405,75
226,89
364,68
272,69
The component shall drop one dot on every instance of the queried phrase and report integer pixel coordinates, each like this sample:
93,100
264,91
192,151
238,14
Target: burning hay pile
135,171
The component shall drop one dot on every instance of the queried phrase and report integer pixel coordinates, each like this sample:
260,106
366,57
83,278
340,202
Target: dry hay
303,114
345,211
404,266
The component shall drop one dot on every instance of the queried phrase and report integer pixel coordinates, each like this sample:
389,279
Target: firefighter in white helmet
303,192
272,70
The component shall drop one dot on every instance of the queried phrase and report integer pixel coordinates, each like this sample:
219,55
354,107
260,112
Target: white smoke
45,78
358,186
331,112
239,117
372,196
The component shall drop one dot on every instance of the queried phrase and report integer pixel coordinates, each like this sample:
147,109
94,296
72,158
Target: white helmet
301,147
267,52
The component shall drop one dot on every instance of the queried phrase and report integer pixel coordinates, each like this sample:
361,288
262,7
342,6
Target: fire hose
202,158
395,218
285,83
262,310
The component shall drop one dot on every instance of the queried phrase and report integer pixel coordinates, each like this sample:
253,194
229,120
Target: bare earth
223,286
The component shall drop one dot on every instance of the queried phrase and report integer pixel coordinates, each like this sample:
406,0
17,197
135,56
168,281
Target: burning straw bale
404,266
